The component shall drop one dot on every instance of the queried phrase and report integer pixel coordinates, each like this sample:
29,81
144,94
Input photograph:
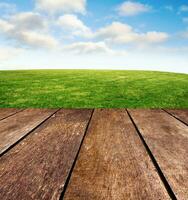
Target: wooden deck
101,154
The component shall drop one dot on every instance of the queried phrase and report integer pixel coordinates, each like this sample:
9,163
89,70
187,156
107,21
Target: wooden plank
113,163
17,126
167,138
6,112
180,114
38,166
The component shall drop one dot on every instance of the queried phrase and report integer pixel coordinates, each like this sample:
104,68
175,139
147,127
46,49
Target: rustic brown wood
6,112
167,138
180,114
38,166
17,126
113,163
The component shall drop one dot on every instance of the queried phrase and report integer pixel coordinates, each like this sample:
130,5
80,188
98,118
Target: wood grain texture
167,138
113,163
180,114
17,126
6,112
38,166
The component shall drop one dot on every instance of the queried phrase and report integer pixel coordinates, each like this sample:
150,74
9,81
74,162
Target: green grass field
93,89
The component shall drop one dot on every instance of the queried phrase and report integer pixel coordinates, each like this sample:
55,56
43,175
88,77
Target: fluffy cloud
120,33
184,8
27,29
28,20
75,25
153,37
5,26
88,48
35,39
31,29
129,8
115,31
56,6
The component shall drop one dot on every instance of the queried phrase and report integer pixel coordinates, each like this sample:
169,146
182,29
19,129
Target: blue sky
108,34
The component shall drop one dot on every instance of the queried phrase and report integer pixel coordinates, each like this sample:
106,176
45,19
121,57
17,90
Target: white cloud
19,28
35,39
120,33
153,37
57,6
114,30
75,25
183,8
5,26
88,48
28,21
129,8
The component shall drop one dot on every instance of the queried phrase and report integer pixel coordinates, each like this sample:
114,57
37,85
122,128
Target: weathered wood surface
17,126
113,163
6,112
167,138
180,114
38,166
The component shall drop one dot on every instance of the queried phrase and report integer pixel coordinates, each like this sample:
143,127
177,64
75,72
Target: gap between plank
74,163
175,117
159,171
12,114
14,144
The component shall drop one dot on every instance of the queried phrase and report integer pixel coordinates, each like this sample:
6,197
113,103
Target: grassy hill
91,88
